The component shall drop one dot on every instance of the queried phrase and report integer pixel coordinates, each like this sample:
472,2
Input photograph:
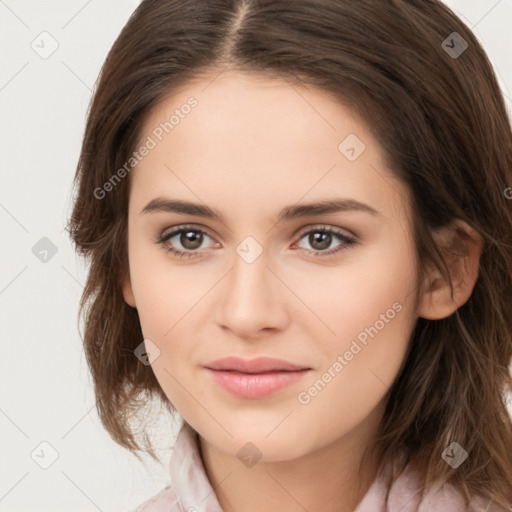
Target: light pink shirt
191,490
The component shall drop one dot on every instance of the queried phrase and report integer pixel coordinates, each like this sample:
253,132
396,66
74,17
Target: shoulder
449,498
165,501
439,497
408,494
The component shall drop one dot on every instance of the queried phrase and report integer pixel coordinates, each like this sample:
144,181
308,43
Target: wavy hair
442,122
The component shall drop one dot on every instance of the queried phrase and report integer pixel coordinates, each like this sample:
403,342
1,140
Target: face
329,289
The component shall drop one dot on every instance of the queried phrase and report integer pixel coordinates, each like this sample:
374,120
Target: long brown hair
432,101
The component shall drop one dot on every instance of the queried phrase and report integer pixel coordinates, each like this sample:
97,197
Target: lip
255,378
258,365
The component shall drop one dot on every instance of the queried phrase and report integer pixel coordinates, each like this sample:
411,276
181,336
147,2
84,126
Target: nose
252,299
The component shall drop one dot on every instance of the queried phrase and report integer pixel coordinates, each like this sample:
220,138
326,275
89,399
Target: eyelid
171,232
325,227
180,227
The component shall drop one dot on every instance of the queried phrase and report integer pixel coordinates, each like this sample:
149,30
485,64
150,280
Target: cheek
369,282
370,315
168,298
357,374
164,304
164,292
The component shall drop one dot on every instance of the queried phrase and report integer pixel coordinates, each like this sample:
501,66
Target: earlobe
462,250
126,287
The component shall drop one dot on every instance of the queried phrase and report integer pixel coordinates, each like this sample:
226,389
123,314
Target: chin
268,444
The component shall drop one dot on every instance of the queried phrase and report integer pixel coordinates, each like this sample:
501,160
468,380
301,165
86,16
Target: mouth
258,365
256,378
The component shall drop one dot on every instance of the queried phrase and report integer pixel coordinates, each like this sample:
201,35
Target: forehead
239,134
253,105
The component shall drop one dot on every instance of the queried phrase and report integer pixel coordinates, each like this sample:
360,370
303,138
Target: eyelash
348,241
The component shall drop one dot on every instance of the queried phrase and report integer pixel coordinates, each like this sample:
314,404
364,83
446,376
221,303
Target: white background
46,392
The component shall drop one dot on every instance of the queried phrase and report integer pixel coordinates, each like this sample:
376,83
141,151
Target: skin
252,146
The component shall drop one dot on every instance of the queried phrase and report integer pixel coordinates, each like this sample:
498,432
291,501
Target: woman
299,231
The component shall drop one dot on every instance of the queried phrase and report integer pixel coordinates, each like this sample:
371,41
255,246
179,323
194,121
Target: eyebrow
287,213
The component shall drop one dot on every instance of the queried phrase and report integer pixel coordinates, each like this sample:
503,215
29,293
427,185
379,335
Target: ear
463,247
126,287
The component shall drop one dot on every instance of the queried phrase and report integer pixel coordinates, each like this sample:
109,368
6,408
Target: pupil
317,237
191,239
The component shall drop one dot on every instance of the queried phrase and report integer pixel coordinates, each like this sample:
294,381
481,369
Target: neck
326,479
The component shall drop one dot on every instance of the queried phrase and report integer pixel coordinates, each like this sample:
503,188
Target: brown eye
183,241
191,239
321,239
